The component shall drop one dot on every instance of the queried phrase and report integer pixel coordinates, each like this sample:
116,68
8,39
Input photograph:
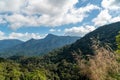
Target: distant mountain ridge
35,47
7,43
104,35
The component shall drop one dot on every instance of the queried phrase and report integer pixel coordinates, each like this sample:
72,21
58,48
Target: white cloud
49,7
44,12
20,36
109,13
1,33
11,5
24,36
115,19
59,30
79,31
52,30
111,4
55,30
2,21
17,20
102,18
74,16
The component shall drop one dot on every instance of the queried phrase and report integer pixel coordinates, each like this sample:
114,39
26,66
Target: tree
118,43
36,75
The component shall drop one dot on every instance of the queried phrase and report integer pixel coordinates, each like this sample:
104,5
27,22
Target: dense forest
98,58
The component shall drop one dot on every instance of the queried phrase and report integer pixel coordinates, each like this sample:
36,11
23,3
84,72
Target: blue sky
26,19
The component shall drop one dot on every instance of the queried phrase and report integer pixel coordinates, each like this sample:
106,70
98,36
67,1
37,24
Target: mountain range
34,47
7,43
92,57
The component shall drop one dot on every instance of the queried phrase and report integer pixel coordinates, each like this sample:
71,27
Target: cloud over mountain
20,36
79,31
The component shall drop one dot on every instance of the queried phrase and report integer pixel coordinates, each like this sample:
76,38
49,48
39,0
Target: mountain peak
50,36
